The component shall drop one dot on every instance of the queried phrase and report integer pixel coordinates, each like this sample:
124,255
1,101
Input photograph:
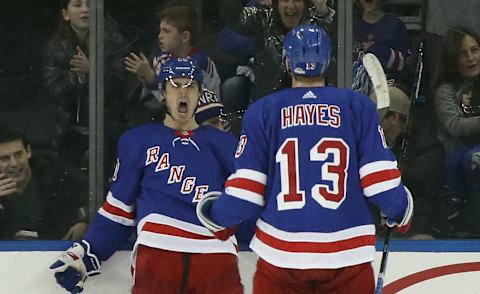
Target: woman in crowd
66,68
457,75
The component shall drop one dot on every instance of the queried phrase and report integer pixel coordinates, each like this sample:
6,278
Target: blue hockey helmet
307,49
180,67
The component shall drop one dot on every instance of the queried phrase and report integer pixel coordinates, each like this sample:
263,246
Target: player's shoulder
213,134
258,108
143,132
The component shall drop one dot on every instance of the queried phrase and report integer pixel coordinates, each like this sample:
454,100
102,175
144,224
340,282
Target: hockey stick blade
379,82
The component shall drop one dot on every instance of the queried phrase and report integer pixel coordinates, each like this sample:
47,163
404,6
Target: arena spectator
269,25
210,111
67,65
236,89
179,31
66,70
393,122
37,202
456,100
385,36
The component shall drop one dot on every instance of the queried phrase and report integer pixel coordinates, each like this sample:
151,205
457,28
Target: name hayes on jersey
310,114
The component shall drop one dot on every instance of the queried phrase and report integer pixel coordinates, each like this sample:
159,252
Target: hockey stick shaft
383,263
413,98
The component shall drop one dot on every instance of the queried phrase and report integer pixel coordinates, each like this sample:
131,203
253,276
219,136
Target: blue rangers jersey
159,177
391,41
391,45
308,163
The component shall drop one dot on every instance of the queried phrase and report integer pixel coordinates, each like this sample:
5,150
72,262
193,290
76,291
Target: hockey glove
405,223
398,228
203,214
74,266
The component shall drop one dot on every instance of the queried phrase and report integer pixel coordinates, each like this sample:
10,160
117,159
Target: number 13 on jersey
331,192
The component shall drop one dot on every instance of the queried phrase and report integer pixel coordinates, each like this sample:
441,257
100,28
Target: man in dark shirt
34,202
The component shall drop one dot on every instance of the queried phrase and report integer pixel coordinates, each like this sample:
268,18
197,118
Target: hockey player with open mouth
162,172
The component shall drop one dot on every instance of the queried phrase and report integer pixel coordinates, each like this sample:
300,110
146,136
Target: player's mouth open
183,107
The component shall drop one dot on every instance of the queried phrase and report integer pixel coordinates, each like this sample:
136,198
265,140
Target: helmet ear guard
306,50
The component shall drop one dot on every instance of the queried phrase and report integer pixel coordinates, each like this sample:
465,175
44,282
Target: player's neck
177,125
307,82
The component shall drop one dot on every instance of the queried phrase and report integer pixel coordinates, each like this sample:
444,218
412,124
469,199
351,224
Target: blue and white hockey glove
74,266
203,214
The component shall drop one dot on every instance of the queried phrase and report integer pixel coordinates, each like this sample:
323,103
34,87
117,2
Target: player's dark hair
184,18
309,79
8,134
447,69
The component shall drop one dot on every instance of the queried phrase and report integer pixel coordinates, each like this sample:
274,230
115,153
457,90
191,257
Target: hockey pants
169,272
270,279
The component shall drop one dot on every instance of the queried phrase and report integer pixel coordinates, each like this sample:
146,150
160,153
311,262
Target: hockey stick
379,82
418,81
380,87
383,263
413,99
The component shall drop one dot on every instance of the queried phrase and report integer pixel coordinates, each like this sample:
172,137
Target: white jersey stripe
316,236
381,187
166,220
118,219
119,204
246,195
179,244
251,175
409,211
182,243
296,260
377,166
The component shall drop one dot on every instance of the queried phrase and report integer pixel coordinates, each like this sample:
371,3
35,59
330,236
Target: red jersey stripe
169,230
246,184
380,176
117,211
315,247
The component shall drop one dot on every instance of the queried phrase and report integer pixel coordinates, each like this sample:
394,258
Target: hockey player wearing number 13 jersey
309,161
162,172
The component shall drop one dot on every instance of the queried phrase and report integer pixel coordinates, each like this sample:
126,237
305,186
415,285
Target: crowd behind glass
44,95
